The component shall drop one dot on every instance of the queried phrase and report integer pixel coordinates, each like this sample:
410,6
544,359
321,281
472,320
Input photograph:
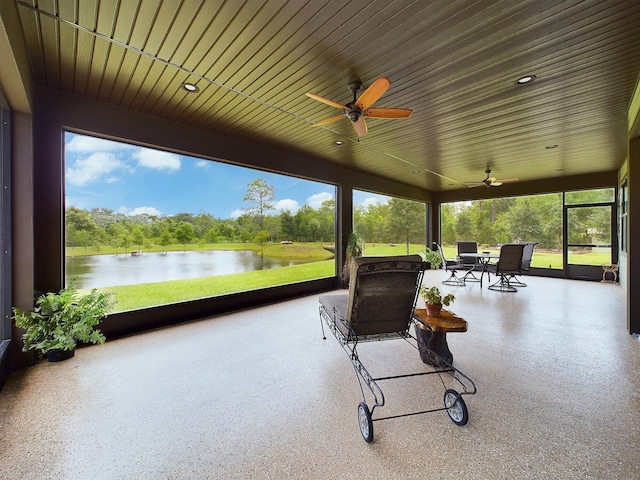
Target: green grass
544,259
383,249
131,297
297,251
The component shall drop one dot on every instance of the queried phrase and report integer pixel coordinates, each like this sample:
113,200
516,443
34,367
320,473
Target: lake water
112,270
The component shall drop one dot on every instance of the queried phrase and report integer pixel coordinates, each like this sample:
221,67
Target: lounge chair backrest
383,292
510,260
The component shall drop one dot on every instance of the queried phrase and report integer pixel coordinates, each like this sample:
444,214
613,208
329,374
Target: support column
344,224
633,253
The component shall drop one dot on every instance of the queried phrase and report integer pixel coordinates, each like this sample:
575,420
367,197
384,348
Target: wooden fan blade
326,101
328,120
387,112
373,93
474,184
360,127
508,180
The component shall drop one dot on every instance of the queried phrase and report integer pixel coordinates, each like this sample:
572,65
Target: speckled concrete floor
259,394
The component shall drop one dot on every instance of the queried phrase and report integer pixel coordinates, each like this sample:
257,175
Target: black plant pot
59,355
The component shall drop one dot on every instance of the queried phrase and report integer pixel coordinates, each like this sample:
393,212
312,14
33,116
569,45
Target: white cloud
315,201
145,210
371,201
89,169
157,160
139,211
287,204
80,143
203,164
237,213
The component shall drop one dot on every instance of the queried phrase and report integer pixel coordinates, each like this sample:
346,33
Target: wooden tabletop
446,322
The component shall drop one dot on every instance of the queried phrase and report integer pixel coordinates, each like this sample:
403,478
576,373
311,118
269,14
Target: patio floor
258,394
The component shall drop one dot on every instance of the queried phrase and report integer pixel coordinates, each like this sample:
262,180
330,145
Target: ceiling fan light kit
358,108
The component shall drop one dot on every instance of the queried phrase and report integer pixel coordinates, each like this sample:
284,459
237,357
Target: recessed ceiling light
190,87
416,171
526,79
339,142
551,147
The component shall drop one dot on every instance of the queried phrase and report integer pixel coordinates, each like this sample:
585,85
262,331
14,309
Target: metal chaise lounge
380,305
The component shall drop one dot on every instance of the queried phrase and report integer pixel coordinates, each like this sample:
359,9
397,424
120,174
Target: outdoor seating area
507,266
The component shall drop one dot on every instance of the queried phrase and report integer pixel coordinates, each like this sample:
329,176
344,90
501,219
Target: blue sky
131,180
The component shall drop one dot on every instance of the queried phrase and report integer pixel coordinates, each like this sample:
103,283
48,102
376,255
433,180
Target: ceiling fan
490,181
358,108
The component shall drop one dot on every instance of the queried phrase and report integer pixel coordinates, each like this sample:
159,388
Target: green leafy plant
59,320
432,257
353,250
432,296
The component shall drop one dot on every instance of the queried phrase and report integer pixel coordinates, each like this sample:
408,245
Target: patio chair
380,306
472,264
527,254
382,297
452,266
508,265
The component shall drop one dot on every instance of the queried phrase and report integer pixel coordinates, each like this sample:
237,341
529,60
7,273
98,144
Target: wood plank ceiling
453,62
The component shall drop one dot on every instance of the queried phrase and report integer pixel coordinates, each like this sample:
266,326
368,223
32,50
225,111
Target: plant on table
60,320
433,298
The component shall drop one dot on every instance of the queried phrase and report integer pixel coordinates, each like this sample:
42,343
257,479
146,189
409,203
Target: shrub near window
60,320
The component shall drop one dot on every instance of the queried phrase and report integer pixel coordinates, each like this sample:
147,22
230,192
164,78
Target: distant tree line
99,227
536,218
489,222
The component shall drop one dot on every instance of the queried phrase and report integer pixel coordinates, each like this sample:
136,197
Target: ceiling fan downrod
354,111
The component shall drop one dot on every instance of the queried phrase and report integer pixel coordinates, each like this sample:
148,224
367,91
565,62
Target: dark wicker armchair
508,265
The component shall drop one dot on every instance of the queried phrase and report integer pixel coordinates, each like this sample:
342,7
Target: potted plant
434,300
432,257
353,250
60,320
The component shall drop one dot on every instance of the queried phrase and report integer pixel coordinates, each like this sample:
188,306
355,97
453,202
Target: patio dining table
484,258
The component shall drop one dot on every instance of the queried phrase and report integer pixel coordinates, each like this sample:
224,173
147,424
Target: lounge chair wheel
456,408
365,422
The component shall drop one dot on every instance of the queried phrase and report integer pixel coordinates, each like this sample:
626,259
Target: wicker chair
452,266
381,298
508,265
472,264
527,254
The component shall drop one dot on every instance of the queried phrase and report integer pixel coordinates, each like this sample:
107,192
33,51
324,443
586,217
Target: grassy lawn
543,259
131,297
383,249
